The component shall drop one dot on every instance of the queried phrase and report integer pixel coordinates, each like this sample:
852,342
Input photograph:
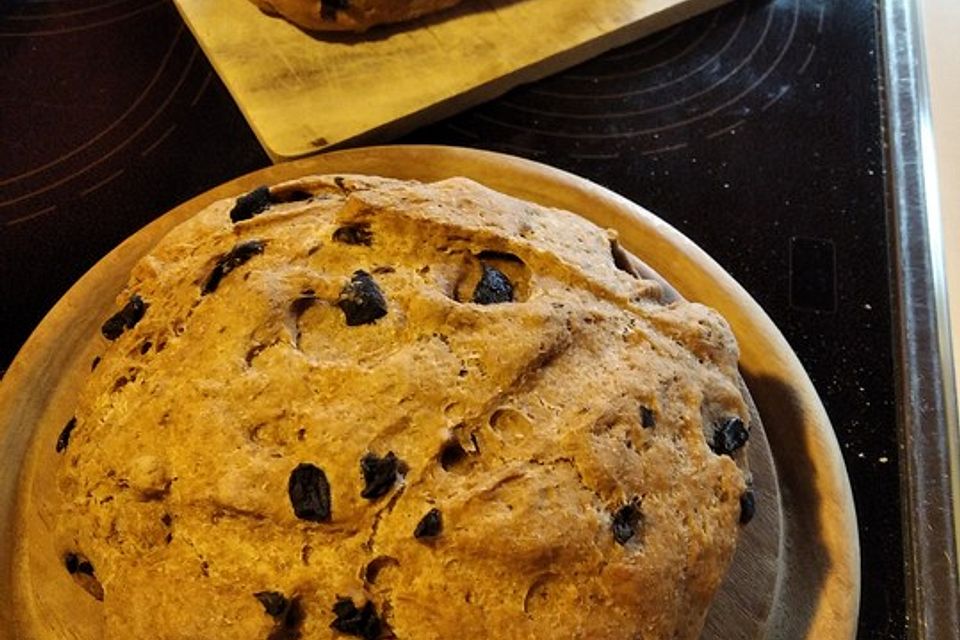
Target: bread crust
563,435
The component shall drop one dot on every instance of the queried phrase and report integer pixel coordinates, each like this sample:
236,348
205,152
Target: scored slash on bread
411,410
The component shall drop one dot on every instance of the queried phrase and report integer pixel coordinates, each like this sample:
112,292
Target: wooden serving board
303,93
796,571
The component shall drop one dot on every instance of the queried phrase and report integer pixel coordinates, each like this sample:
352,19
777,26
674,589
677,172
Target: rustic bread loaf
353,406
350,15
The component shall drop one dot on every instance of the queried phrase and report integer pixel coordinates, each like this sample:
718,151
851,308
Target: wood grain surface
796,571
303,93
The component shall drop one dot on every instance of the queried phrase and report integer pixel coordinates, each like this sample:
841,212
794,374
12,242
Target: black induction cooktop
757,130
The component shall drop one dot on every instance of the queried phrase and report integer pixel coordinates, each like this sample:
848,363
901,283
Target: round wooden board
796,571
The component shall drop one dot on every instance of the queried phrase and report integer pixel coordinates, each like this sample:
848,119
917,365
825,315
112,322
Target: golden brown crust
350,15
521,422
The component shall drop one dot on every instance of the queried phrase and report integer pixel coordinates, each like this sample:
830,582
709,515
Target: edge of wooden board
457,101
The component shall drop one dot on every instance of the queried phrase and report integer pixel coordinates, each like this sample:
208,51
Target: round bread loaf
350,15
358,407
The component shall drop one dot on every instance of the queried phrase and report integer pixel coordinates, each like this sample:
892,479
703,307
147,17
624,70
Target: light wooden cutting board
302,93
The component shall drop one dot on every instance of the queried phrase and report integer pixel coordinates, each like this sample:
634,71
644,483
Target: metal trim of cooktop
927,404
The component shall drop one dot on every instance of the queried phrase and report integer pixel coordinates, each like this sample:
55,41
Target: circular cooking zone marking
702,79
100,138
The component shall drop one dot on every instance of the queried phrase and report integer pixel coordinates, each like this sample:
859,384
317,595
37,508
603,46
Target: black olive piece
361,300
309,493
355,234
288,622
230,261
728,436
72,561
274,603
379,474
493,288
430,525
126,318
93,365
82,571
77,565
120,383
748,506
250,204
647,418
64,438
626,522
361,623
